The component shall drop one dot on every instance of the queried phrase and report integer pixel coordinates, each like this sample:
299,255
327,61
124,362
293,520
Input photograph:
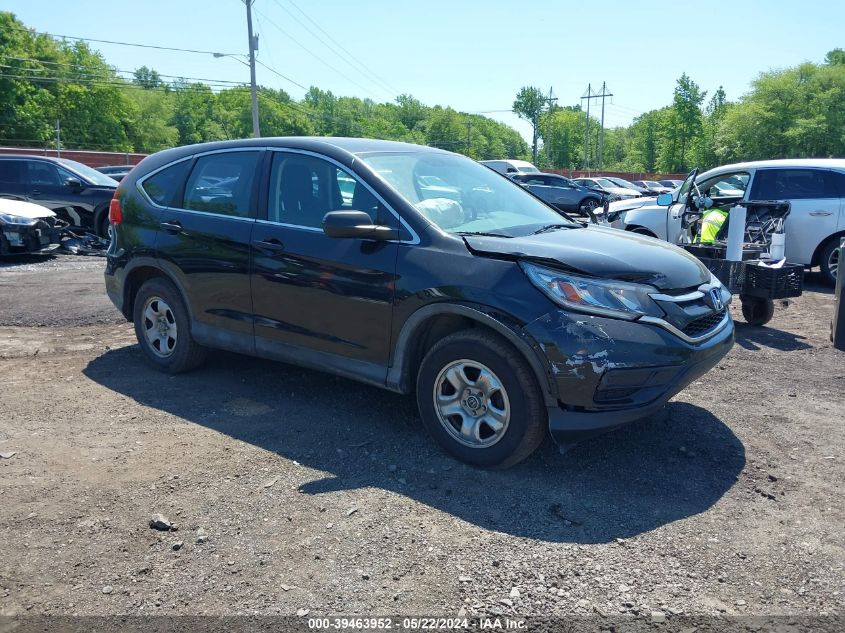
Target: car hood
601,252
622,191
632,203
24,209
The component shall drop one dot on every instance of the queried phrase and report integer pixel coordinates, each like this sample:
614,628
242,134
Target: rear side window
12,171
164,186
222,183
45,174
794,184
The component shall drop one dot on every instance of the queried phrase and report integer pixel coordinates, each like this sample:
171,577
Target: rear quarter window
794,184
164,186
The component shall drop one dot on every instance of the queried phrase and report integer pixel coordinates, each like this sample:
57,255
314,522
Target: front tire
829,260
479,400
163,328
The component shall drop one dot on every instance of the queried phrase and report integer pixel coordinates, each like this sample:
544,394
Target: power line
340,46
364,73
117,83
276,72
104,72
314,55
163,48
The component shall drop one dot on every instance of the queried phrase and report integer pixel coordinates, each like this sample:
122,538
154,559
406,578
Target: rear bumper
609,373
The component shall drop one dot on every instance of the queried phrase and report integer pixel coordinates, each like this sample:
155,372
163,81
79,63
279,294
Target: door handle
170,227
821,213
35,192
272,244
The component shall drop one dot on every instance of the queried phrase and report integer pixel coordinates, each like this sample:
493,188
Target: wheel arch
136,277
640,229
817,253
431,323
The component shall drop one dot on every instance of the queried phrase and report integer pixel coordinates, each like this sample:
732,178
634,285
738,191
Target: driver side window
730,185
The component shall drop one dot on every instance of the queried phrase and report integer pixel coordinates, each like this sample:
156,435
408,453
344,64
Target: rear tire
829,260
757,311
472,382
589,204
163,328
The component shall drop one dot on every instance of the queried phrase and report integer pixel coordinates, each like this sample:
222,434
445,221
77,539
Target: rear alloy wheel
479,400
163,328
589,204
829,260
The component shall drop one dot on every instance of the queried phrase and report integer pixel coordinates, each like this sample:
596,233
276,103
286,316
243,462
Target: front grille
704,324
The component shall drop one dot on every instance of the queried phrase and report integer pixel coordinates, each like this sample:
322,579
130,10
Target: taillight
115,210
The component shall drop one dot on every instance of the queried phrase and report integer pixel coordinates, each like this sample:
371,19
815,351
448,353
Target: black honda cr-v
416,270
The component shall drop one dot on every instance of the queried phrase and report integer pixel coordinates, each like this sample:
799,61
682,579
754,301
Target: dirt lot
317,493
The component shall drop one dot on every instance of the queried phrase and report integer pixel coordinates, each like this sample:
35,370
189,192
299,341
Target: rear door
14,179
325,301
815,206
203,241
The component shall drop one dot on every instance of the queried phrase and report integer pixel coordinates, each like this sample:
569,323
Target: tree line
44,80
794,112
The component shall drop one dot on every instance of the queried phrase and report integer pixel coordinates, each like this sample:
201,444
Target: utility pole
604,93
58,139
589,96
550,101
253,46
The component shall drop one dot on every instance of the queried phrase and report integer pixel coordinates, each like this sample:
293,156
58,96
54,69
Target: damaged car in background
415,270
28,228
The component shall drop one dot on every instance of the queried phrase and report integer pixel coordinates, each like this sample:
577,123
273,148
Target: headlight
7,218
605,297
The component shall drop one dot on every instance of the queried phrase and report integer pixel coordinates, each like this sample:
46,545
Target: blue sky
472,55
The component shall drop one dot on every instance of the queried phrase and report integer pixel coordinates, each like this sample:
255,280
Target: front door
203,241
324,301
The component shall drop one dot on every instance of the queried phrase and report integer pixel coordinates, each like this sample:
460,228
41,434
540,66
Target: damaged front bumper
609,372
41,237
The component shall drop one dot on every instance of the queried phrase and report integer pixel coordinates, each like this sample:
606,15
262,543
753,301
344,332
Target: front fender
653,218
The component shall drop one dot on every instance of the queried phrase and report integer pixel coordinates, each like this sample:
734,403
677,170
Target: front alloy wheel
471,403
479,399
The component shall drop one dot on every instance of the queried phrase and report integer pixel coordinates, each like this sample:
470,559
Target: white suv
814,187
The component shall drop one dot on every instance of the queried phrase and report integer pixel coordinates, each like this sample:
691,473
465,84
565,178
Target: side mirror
73,183
356,224
664,200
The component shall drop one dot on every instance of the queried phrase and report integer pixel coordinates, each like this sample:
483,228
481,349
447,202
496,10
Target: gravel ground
290,490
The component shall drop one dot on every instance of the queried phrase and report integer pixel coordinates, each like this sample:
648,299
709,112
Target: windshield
528,169
651,183
604,182
471,198
623,183
90,174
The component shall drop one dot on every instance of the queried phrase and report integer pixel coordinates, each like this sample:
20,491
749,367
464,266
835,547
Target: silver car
814,187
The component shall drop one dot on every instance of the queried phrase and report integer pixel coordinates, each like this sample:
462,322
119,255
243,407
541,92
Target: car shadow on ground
755,337
672,466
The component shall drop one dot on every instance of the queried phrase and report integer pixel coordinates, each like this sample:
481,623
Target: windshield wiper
553,227
482,234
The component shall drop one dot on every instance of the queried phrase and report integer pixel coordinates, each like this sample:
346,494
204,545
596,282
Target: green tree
528,105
